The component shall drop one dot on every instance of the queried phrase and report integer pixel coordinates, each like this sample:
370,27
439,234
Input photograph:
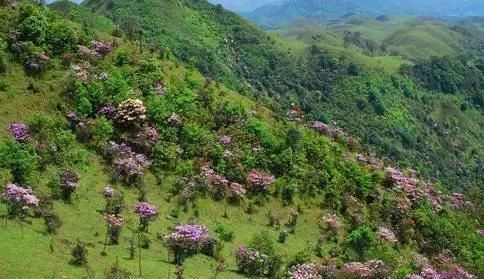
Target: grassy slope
28,252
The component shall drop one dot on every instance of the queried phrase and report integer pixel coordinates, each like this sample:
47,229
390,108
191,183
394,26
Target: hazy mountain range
281,12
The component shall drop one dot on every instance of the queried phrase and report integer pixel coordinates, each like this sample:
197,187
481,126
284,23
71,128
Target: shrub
252,262
21,160
189,239
79,254
68,183
361,240
283,234
116,272
224,233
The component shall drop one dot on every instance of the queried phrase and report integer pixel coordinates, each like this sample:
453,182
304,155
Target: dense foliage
175,144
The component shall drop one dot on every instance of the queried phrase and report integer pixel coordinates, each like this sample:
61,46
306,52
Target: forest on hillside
174,139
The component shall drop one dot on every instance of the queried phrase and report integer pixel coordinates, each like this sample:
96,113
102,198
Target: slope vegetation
94,111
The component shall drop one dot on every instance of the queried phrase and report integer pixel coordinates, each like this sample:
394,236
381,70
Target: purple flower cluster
188,237
145,210
160,88
69,180
20,196
251,262
81,72
386,235
369,270
222,183
457,201
108,111
455,272
396,179
108,192
261,179
225,139
369,160
126,161
98,49
325,129
114,221
174,120
295,114
19,131
101,49
305,271
332,223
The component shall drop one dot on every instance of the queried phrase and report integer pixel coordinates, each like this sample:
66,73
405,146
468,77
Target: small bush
224,233
79,254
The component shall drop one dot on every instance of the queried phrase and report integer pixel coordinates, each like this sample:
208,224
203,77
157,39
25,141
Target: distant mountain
279,13
242,5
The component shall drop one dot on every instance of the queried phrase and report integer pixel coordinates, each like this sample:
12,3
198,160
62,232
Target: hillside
125,161
223,46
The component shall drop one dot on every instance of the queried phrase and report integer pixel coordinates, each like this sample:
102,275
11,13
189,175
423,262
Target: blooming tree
146,213
386,235
252,262
305,271
114,223
69,183
260,180
131,112
332,223
127,163
189,239
19,199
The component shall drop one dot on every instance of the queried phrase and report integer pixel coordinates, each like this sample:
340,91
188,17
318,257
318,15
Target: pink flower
386,235
260,179
23,197
19,131
174,120
114,221
145,210
108,192
332,223
225,139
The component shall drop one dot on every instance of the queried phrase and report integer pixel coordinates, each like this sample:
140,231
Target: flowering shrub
386,235
98,49
189,239
457,201
455,272
101,49
260,180
225,140
108,192
146,213
114,225
127,163
131,111
174,120
222,185
373,269
160,88
306,271
19,199
19,131
332,223
252,262
69,183
109,111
